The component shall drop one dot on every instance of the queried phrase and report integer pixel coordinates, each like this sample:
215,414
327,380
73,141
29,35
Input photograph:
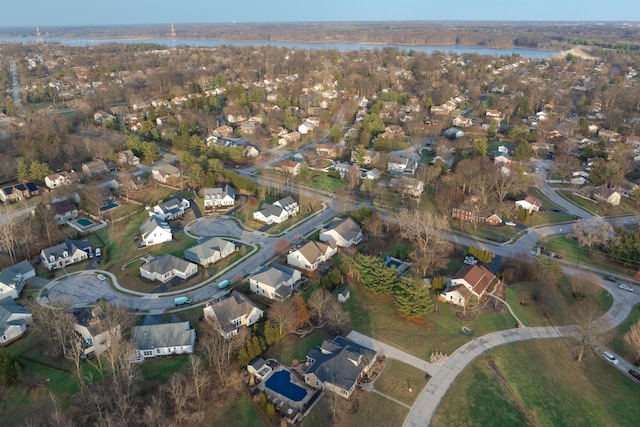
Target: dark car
634,374
610,279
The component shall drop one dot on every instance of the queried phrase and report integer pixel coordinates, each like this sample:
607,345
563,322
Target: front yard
401,381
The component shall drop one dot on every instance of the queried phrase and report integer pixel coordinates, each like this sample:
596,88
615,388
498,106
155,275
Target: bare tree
353,177
374,226
632,340
281,246
178,393
218,350
153,414
198,375
337,318
585,316
56,325
45,223
318,303
8,232
592,231
283,315
425,230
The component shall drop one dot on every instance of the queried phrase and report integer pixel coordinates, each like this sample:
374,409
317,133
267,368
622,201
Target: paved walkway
393,352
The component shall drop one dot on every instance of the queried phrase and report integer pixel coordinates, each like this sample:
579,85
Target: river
457,49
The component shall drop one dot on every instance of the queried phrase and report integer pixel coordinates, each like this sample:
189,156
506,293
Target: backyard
293,347
499,389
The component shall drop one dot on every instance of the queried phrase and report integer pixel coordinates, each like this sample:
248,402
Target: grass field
293,347
615,337
379,319
563,303
374,410
325,183
237,413
570,249
626,206
500,389
398,378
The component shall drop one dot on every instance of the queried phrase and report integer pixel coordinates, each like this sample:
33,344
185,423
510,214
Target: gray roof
8,308
273,275
269,210
340,361
68,245
151,224
9,276
286,202
229,309
164,335
63,206
313,250
219,192
172,205
205,249
165,263
347,228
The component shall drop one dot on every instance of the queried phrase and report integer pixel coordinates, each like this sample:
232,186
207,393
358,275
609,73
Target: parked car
625,287
610,279
510,224
634,374
611,358
469,260
98,252
101,277
224,284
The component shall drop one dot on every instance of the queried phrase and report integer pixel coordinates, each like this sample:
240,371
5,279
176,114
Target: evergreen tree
377,278
412,298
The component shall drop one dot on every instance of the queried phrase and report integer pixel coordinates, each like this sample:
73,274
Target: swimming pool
85,222
109,206
280,382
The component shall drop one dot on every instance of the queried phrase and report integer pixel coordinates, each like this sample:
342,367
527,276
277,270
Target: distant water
526,53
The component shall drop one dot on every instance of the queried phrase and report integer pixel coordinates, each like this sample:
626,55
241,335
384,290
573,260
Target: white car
610,358
510,224
469,260
625,287
101,277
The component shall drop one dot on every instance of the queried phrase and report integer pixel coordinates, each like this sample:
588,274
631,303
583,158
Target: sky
31,13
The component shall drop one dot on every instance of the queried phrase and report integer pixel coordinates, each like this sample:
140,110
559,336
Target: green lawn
293,347
486,231
379,319
501,389
563,303
162,368
570,249
398,248
238,413
326,183
398,378
373,410
615,337
626,206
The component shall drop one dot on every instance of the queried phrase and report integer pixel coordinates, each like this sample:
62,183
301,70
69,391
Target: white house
219,197
13,279
398,165
171,209
66,253
462,122
163,340
275,282
155,231
342,232
470,280
14,320
165,267
310,255
95,332
529,203
279,212
232,313
372,174
59,179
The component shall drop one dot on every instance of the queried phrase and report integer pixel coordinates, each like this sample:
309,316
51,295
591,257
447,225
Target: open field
441,332
500,389
371,408
562,306
325,183
401,381
626,205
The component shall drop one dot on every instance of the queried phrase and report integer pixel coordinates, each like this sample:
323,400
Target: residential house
165,173
13,279
494,115
372,174
60,179
66,253
163,339
279,212
329,151
399,165
248,128
219,197
155,231
17,192
469,281
232,313
368,157
95,168
501,159
127,158
310,255
453,133
338,365
342,168
95,332
462,122
288,167
342,232
605,195
165,267
14,320
259,368
408,186
275,281
529,203
64,210
289,138
171,209
209,251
